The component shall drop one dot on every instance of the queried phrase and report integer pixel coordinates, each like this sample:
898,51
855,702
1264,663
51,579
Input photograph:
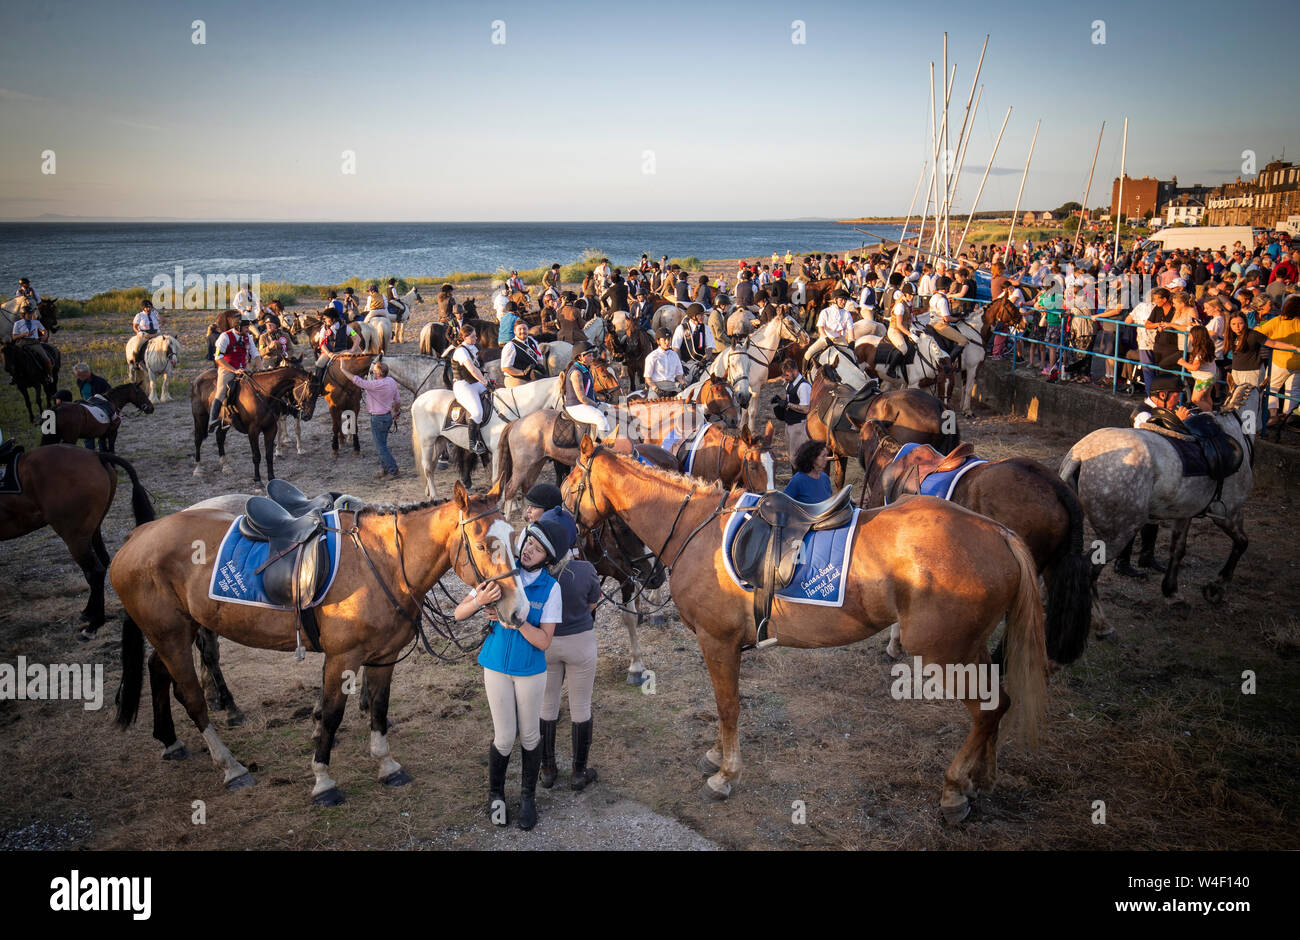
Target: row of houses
1266,201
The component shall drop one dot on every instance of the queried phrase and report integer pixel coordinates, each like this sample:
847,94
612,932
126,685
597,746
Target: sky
610,111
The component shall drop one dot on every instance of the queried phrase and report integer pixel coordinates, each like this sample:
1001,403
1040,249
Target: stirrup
762,639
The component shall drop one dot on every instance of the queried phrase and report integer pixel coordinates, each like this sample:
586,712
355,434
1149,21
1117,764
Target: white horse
972,354
845,366
407,300
746,366
1126,477
162,353
928,363
667,317
376,331
429,419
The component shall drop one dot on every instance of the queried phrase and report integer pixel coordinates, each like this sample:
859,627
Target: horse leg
333,702
280,432
895,649
723,660
1232,525
221,450
164,731
841,465
1177,549
93,568
297,435
269,443
975,765
174,651
257,459
213,681
632,620
378,683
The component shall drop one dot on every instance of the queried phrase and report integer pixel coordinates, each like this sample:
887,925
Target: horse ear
586,447
460,495
767,432
745,436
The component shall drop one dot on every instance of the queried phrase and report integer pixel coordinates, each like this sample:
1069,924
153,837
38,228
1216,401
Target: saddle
1223,454
885,347
565,432
904,478
456,415
845,401
949,346
767,548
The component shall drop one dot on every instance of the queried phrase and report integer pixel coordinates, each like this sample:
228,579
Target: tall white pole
967,116
947,163
962,145
1086,191
1006,252
975,205
1119,210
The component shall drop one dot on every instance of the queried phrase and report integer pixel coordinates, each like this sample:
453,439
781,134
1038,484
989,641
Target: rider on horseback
146,321
233,352
1166,390
468,385
834,323
693,341
663,368
29,333
521,358
942,319
900,326
579,386
337,337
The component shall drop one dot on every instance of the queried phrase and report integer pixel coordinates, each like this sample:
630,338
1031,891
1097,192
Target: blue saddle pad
234,577
941,485
819,577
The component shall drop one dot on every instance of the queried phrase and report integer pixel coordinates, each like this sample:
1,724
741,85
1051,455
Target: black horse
29,372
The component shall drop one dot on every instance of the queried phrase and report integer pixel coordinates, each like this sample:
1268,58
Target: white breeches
897,340
468,394
588,414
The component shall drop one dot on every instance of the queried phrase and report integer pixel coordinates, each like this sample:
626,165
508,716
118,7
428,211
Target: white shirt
499,301
663,365
553,609
462,355
509,349
146,320
32,328
245,300
803,394
679,336
925,284
939,309
835,323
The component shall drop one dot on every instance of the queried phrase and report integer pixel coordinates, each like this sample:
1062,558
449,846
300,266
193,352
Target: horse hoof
198,470
636,678
177,751
330,797
952,815
1213,593
86,634
1105,633
398,778
235,718
715,794
707,766
242,782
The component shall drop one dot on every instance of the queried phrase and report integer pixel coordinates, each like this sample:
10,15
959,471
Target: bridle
462,527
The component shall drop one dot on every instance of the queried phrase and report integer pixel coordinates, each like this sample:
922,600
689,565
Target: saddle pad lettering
820,578
941,485
233,576
10,485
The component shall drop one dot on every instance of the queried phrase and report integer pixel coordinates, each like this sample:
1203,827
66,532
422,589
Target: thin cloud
8,94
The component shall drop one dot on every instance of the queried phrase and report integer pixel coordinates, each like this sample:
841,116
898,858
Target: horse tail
1025,667
1069,471
505,465
419,453
1069,585
141,506
128,693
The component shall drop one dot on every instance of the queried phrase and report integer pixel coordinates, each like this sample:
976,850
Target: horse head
133,394
483,551
720,400
757,470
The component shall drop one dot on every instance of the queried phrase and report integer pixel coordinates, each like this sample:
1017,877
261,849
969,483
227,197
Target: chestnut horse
371,612
947,575
66,488
729,458
1031,501
262,397
909,415
73,420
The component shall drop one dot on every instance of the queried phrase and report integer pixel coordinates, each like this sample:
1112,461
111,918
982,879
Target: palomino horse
1126,477
747,366
728,458
717,399
67,489
909,415
29,373
262,397
1028,499
947,575
150,360
74,421
372,610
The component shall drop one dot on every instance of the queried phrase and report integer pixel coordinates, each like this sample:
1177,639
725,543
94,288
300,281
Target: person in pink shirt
383,405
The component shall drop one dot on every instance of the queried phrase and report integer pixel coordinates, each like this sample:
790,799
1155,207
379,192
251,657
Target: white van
1205,237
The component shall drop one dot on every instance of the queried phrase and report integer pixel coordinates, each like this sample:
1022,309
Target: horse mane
401,509
673,476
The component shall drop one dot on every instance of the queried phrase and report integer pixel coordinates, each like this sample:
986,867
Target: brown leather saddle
845,408
565,431
904,477
768,547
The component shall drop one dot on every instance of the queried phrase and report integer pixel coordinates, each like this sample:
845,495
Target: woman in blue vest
514,665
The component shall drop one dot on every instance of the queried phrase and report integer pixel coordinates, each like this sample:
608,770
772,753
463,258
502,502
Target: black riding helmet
544,496
552,537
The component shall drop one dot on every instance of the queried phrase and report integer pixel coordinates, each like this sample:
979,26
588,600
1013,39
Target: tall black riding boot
528,788
895,360
1124,563
318,379
476,437
1147,553
582,774
497,764
549,770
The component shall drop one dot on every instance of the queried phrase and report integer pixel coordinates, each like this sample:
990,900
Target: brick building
1267,200
1141,196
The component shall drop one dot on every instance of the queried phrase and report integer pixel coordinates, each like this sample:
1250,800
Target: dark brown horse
393,558
73,421
29,372
70,489
909,414
817,295
343,396
629,348
260,400
1023,495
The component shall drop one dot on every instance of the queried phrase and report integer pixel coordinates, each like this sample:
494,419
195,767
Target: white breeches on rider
468,394
897,339
588,414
